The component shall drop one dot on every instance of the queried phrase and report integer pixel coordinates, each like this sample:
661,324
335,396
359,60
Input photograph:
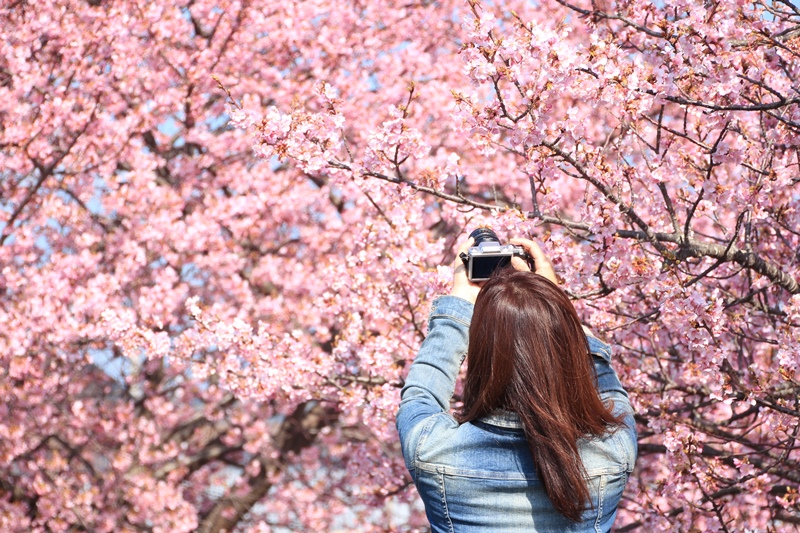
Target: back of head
528,354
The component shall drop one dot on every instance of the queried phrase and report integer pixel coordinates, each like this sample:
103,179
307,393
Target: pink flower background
222,224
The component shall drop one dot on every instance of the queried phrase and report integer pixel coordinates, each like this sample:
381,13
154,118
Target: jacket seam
426,431
454,318
505,476
623,449
601,494
444,501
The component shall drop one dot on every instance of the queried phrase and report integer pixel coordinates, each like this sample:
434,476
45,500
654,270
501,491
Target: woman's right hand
542,265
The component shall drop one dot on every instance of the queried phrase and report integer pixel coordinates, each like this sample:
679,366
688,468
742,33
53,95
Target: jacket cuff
451,307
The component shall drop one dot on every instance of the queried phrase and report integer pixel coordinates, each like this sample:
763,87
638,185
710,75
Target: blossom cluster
222,225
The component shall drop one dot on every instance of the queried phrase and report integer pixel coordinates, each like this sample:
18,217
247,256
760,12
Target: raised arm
432,378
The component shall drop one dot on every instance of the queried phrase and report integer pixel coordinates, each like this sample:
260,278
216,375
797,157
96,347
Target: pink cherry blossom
222,225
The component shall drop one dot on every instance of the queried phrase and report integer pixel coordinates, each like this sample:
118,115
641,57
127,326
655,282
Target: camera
489,255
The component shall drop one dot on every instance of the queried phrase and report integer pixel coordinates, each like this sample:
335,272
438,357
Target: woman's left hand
462,286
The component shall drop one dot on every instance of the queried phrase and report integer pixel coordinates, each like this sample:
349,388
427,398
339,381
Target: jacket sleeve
431,380
607,380
611,390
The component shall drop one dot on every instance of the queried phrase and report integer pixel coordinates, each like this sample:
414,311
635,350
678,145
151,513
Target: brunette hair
528,354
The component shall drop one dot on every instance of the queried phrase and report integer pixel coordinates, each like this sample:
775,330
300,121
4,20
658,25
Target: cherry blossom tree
222,224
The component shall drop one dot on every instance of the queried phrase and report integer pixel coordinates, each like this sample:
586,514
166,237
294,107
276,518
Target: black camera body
489,255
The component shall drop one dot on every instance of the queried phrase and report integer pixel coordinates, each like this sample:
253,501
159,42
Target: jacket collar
503,419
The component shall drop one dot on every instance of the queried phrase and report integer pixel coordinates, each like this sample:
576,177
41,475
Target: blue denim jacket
480,476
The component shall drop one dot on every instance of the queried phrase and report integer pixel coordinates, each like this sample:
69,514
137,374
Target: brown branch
686,248
608,193
719,262
603,15
45,171
297,432
734,107
670,208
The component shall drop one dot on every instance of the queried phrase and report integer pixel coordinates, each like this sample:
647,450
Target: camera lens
484,235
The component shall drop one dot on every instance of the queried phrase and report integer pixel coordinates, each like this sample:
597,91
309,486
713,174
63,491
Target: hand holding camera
487,254
483,253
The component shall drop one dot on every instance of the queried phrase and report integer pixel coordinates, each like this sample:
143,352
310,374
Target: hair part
528,354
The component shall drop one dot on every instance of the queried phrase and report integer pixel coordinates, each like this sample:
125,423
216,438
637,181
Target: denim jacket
480,476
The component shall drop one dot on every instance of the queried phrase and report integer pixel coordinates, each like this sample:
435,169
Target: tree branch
297,432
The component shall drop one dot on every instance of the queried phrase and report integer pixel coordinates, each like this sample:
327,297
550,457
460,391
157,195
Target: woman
546,438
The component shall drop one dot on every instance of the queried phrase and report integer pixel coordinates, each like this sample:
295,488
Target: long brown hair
528,354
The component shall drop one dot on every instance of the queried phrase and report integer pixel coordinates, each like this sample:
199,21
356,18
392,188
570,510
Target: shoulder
599,348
